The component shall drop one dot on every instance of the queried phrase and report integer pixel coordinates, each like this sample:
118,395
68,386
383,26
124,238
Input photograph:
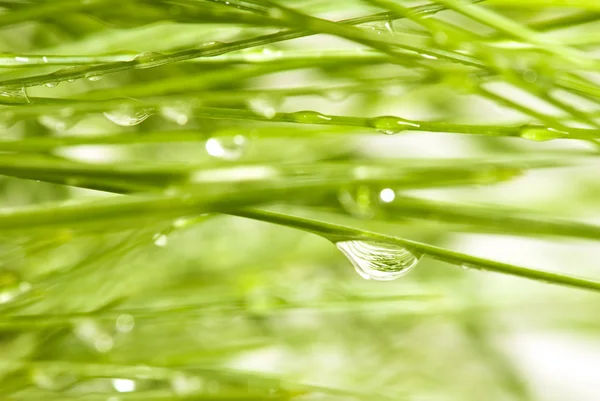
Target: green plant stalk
209,50
337,232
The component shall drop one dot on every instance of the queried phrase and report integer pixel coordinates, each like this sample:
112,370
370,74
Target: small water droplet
227,147
93,77
380,261
264,105
150,59
160,239
128,116
125,323
124,385
390,125
542,134
51,84
310,117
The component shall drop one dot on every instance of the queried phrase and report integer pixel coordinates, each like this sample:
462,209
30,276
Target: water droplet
125,323
123,385
179,114
227,147
310,117
160,239
465,267
380,261
358,202
390,125
264,105
542,134
128,116
150,59
93,77
387,195
51,84
15,93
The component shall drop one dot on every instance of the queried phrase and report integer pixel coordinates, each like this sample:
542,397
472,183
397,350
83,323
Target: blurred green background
206,305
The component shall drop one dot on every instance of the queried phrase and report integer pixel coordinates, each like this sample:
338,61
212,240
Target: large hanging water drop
128,116
379,261
227,147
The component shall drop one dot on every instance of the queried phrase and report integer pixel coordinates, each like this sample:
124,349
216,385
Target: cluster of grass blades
187,186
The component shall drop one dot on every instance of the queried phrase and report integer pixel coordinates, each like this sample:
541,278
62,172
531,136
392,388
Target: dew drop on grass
16,93
160,239
310,117
227,147
542,134
93,77
150,59
51,84
390,125
128,116
379,261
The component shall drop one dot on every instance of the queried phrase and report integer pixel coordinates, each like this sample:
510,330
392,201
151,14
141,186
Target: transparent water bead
18,94
379,261
227,147
128,116
390,125
542,134
93,77
160,240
